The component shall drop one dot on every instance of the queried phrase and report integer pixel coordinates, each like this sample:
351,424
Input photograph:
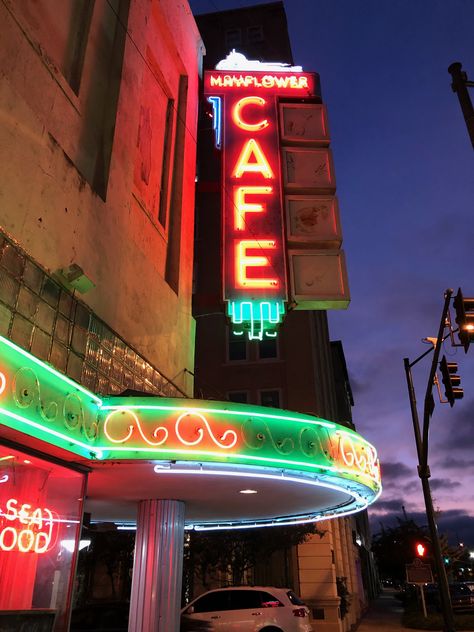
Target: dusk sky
405,181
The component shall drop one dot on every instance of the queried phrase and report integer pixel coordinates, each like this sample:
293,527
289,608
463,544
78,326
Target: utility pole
460,85
421,440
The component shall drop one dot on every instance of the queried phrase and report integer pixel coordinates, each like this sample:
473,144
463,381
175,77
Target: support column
158,567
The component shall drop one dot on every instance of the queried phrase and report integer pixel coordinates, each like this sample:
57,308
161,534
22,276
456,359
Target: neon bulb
244,261
216,119
259,165
238,61
28,539
185,414
3,382
200,432
242,206
237,114
258,316
51,370
223,411
54,433
130,430
273,477
268,82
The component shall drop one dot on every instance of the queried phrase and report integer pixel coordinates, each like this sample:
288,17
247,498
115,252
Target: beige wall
320,561
83,113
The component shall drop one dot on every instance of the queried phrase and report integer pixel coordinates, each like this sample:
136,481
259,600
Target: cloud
394,471
452,463
444,484
457,525
382,506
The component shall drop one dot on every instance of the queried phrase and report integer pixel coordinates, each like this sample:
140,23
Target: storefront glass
40,518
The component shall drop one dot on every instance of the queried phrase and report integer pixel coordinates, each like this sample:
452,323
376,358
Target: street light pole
459,85
421,440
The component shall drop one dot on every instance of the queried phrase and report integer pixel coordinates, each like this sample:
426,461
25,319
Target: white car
250,609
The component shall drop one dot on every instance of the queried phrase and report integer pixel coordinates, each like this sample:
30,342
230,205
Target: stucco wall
70,151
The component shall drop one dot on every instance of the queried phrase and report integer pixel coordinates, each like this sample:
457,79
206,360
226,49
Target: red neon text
242,206
237,112
291,82
25,529
243,261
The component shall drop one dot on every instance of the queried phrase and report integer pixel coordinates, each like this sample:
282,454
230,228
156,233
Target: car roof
247,588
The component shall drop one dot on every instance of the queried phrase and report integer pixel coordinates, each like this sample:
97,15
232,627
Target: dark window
240,397
318,613
233,37
237,347
165,171
212,602
244,599
255,34
270,398
268,348
173,254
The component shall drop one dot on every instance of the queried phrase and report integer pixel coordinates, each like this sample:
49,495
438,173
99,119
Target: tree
394,547
209,555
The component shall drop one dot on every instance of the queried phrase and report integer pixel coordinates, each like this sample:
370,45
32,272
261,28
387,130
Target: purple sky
405,181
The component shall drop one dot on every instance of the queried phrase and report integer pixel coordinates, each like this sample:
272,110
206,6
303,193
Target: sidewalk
384,615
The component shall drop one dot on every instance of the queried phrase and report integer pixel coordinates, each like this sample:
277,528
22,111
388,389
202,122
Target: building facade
299,370
98,110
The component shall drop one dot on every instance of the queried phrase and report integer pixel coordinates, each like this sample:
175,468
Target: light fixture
248,491
70,545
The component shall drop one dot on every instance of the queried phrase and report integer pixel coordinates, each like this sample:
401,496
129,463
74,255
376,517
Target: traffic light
420,549
451,381
464,318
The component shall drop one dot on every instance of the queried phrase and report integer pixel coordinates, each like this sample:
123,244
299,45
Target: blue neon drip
216,118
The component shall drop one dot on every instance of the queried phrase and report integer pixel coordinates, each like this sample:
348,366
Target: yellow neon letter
241,206
260,165
243,261
237,114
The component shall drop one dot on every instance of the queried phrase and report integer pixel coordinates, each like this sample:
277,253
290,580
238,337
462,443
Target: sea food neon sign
25,528
245,123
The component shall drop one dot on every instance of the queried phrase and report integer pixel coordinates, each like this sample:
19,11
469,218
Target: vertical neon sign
245,121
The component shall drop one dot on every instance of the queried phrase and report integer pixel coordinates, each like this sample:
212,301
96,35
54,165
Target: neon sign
25,528
37,400
244,96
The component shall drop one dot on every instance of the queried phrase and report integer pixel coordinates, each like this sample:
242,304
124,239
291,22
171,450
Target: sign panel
245,117
419,573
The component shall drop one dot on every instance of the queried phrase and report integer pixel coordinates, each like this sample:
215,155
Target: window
233,38
237,347
212,602
165,162
41,506
239,397
244,599
255,34
270,398
268,348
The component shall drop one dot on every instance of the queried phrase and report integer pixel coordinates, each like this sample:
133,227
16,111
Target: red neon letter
244,261
252,148
237,114
241,206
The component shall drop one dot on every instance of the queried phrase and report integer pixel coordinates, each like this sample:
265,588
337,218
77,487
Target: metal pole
424,470
459,85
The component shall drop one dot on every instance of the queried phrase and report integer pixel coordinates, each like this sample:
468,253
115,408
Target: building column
158,567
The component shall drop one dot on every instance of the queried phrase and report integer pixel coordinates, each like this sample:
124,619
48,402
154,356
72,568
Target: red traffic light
420,549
